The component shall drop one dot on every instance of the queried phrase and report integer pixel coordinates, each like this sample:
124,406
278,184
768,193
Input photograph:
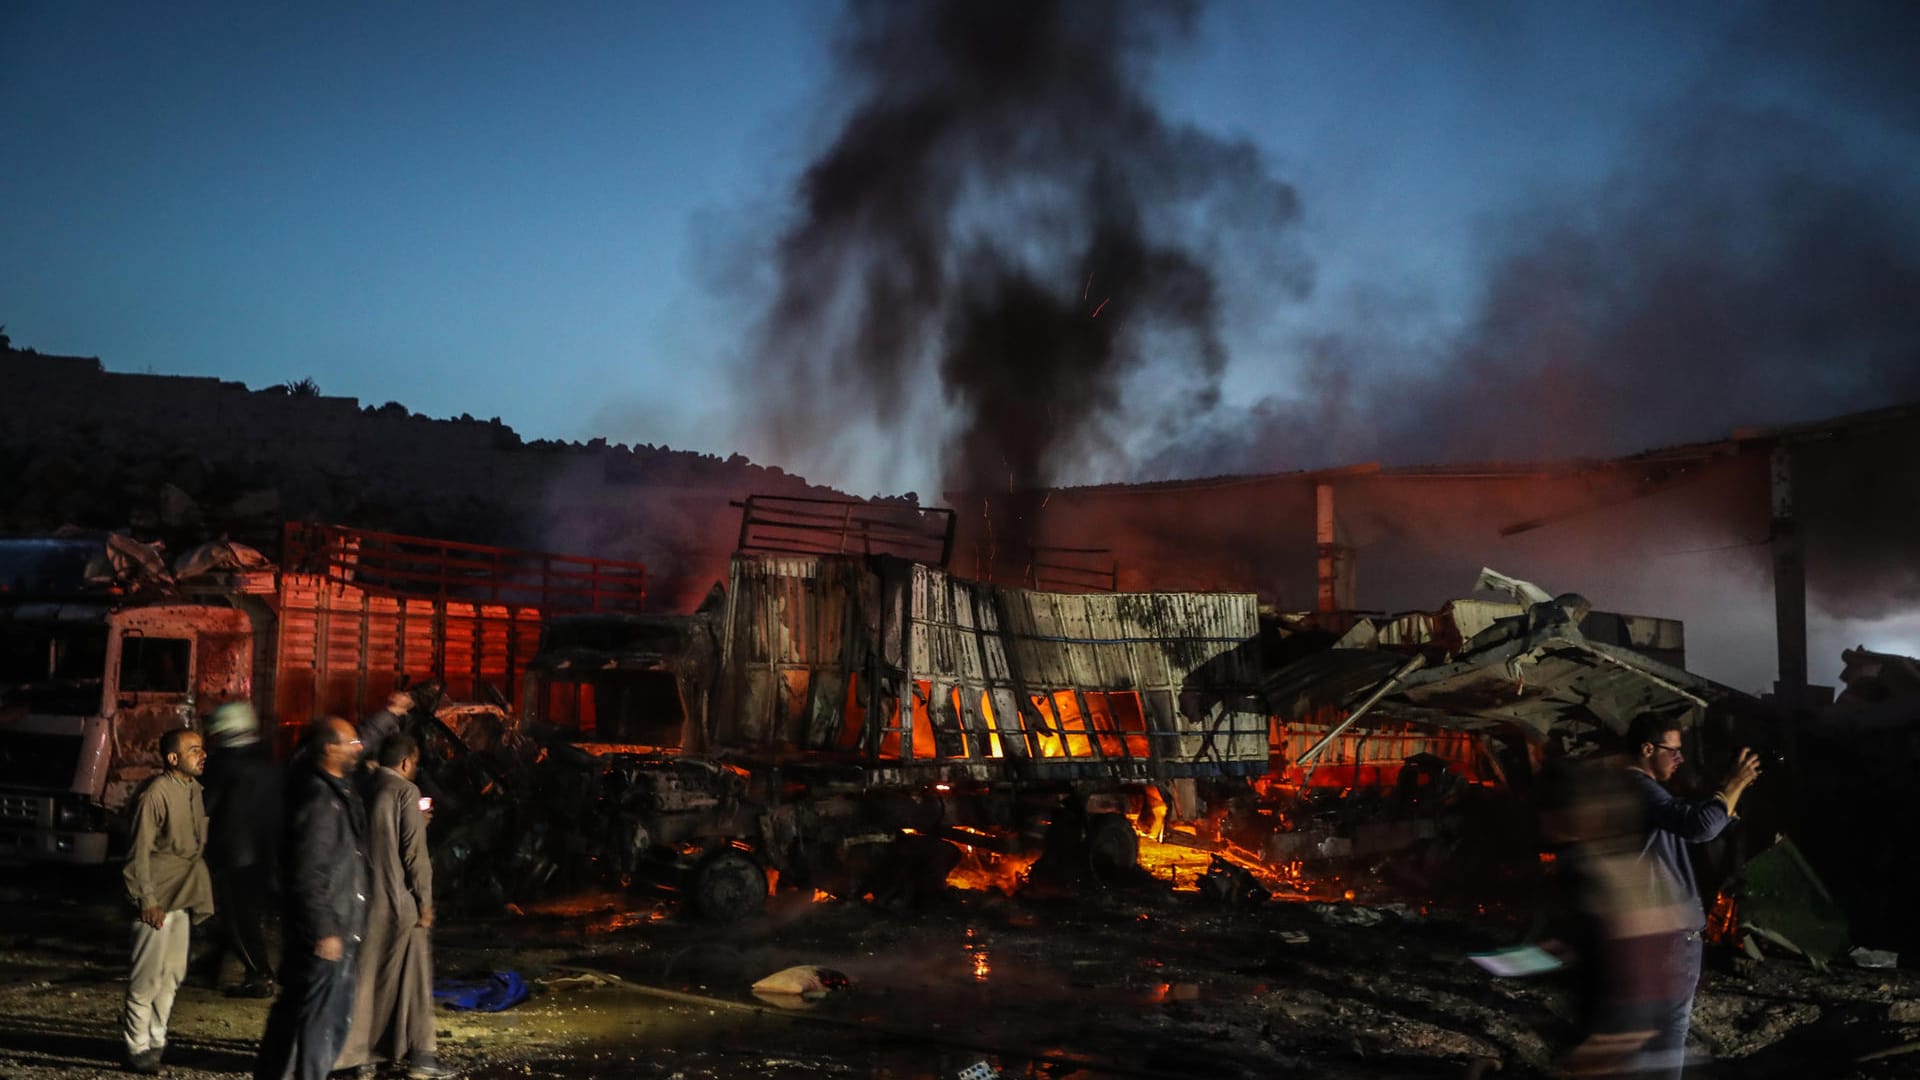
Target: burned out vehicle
99,656
104,647
855,724
1401,740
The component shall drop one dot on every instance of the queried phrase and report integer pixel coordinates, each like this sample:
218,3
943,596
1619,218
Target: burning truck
855,723
844,716
848,717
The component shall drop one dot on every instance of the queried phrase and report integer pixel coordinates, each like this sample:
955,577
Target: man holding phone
1672,823
393,1003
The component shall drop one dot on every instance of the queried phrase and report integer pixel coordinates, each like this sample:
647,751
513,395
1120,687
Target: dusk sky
567,217
502,210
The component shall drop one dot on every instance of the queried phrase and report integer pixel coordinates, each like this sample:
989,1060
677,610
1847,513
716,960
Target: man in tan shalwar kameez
167,882
393,998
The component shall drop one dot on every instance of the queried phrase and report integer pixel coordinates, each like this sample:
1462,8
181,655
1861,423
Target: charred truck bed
846,721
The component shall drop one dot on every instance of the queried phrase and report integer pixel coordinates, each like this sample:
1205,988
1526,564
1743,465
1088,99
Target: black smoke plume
1005,222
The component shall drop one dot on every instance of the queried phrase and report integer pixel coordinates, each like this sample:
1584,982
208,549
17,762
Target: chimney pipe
1789,583
1335,576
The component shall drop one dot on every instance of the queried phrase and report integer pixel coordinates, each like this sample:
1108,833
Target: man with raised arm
1656,748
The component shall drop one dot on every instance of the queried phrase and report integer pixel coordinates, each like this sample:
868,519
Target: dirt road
1139,982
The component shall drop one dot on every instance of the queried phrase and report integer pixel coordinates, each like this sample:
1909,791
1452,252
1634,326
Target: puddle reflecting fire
976,950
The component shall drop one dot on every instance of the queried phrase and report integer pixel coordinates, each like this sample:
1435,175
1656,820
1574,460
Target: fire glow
1723,922
1179,866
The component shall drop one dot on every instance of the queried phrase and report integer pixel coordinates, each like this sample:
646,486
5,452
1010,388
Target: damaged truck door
53,730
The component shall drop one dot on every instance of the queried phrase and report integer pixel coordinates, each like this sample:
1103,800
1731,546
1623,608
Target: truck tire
1113,849
728,887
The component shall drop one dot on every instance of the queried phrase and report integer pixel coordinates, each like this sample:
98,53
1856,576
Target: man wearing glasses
1673,823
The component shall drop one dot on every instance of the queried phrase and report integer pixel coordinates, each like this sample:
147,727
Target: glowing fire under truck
104,647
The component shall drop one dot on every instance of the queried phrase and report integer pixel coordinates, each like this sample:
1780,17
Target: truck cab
90,679
622,682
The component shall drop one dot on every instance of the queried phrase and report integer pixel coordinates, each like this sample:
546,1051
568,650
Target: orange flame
1723,922
981,870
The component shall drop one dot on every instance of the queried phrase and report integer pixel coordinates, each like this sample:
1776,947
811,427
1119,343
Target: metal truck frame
103,650
850,722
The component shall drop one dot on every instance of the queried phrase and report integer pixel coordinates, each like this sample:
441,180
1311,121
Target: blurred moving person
243,802
375,730
1628,919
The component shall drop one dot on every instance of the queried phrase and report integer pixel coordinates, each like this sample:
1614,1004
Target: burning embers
984,870
1723,921
1182,864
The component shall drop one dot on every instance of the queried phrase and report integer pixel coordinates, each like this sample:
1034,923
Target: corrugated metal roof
945,671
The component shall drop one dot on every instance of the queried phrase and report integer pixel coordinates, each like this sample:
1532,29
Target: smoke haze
1007,251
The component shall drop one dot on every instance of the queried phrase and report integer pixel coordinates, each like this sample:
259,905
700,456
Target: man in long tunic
167,882
393,1001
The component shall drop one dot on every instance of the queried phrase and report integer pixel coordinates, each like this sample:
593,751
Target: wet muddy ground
1140,981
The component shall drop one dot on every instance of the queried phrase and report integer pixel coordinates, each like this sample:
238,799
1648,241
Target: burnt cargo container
852,722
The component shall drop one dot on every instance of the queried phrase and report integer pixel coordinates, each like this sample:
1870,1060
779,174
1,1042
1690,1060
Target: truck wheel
1113,850
728,887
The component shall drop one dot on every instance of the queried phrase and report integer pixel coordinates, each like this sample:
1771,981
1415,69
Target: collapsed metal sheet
913,670
1881,695
1532,673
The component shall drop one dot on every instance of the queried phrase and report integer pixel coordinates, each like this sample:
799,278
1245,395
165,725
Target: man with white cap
243,803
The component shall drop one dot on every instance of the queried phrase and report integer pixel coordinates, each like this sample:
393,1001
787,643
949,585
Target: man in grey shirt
1672,823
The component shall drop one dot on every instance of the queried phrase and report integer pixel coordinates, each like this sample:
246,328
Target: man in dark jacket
243,801
325,882
375,730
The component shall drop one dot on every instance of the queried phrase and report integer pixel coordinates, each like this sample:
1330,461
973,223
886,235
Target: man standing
324,879
168,884
1673,823
393,1002
243,800
375,730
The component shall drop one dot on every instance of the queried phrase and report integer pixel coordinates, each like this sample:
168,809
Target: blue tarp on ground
501,990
